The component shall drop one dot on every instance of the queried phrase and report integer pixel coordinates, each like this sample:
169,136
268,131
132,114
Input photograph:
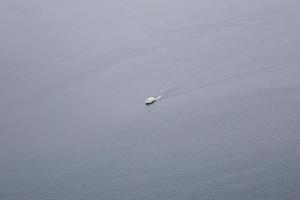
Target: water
74,77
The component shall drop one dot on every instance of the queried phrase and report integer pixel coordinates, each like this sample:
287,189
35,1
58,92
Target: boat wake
185,87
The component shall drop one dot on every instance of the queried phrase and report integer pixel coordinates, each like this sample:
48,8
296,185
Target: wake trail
183,88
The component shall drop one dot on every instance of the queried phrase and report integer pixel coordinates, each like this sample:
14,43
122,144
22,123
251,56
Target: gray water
74,76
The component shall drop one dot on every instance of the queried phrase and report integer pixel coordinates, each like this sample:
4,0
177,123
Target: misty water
74,76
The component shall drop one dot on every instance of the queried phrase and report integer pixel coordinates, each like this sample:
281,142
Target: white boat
150,100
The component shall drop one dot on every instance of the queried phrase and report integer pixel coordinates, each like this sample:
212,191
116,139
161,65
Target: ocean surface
74,76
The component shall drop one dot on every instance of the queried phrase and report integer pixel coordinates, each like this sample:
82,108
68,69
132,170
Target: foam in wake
185,87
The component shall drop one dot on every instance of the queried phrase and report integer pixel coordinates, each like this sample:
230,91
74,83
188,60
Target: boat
150,100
